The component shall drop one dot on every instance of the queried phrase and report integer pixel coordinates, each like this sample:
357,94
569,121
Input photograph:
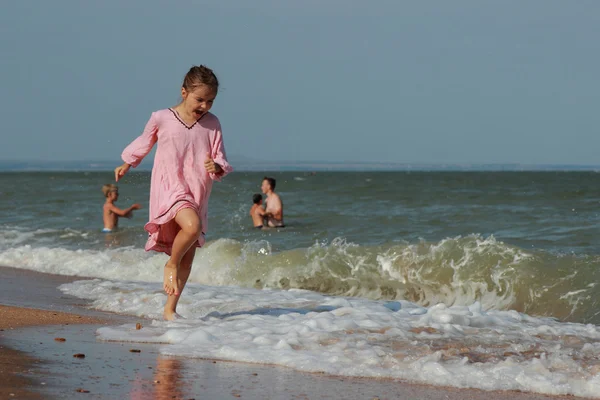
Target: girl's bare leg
185,267
190,230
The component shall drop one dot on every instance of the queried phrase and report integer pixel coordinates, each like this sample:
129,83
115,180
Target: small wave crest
454,271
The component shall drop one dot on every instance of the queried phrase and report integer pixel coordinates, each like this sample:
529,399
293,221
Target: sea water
485,280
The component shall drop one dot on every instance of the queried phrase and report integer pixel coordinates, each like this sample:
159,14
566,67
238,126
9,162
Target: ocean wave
67,238
454,271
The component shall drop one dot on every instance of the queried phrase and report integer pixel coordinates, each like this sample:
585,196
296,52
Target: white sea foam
126,263
462,346
12,236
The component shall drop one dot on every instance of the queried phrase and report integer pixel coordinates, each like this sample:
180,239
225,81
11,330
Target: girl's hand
211,166
121,170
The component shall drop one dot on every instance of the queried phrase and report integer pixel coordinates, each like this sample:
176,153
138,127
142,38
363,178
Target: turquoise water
516,240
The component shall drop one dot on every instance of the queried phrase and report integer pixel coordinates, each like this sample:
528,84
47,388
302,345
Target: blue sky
393,81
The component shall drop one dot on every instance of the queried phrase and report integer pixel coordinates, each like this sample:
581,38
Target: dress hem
162,232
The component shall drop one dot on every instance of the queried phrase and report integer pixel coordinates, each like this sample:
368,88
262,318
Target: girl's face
198,101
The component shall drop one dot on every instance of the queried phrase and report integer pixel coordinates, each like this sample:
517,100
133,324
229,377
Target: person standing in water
274,205
257,212
110,212
189,157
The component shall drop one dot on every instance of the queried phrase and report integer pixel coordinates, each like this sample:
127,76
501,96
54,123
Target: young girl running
189,156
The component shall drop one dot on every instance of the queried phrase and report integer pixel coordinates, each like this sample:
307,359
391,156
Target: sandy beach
37,366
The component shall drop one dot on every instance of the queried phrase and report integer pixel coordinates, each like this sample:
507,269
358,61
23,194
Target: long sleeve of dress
219,156
140,147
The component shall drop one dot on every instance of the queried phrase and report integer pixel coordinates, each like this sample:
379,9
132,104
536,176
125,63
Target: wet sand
46,368
15,367
26,289
14,370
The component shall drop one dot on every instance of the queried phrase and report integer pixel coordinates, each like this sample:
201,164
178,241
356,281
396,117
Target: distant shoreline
303,166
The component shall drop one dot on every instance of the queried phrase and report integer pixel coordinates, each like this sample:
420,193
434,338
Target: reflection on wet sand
167,383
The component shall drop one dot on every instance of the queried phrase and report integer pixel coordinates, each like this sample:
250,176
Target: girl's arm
140,147
219,156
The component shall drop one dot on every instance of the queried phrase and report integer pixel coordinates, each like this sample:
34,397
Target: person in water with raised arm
274,205
110,212
189,157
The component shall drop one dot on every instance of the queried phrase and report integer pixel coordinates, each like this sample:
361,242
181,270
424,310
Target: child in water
256,211
189,157
111,212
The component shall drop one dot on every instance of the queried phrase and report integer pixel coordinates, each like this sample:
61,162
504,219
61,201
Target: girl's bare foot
170,281
170,315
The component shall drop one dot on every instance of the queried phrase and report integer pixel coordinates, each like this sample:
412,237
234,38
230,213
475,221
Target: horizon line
101,163
309,166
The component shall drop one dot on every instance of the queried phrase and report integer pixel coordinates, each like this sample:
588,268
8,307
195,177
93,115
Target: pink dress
179,179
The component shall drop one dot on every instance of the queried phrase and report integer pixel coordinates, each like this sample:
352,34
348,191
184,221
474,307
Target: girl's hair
198,76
